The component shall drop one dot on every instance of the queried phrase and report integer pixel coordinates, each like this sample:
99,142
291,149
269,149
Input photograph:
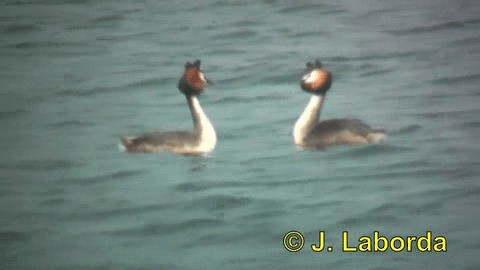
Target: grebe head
315,79
193,82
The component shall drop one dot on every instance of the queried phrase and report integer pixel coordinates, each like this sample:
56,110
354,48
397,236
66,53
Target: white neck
207,135
309,118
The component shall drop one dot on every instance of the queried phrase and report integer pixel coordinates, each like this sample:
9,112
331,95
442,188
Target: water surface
77,75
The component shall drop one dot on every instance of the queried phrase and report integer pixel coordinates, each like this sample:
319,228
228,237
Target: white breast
208,137
307,120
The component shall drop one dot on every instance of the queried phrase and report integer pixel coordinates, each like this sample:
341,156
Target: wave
124,37
152,82
11,236
49,45
53,202
374,149
169,228
90,92
369,219
298,33
407,129
448,114
230,3
219,202
237,34
41,165
379,56
467,41
115,89
240,100
407,164
48,2
318,8
456,79
20,28
433,28
321,204
376,72
115,176
407,208
107,18
226,51
119,212
13,114
265,214
72,123
470,125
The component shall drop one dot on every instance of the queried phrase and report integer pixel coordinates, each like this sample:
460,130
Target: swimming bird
201,140
309,132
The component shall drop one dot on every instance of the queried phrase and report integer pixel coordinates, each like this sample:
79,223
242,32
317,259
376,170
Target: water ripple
457,79
48,2
72,123
169,228
378,56
92,92
107,18
376,72
219,202
13,114
118,212
13,236
470,125
121,175
372,219
21,28
239,99
407,129
41,165
318,8
238,34
433,28
375,149
448,114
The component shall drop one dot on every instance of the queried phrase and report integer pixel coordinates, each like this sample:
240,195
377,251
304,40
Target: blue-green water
77,75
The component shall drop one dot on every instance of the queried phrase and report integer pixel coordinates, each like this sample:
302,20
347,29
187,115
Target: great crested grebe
309,132
200,140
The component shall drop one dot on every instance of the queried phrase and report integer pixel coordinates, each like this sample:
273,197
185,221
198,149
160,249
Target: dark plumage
340,131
